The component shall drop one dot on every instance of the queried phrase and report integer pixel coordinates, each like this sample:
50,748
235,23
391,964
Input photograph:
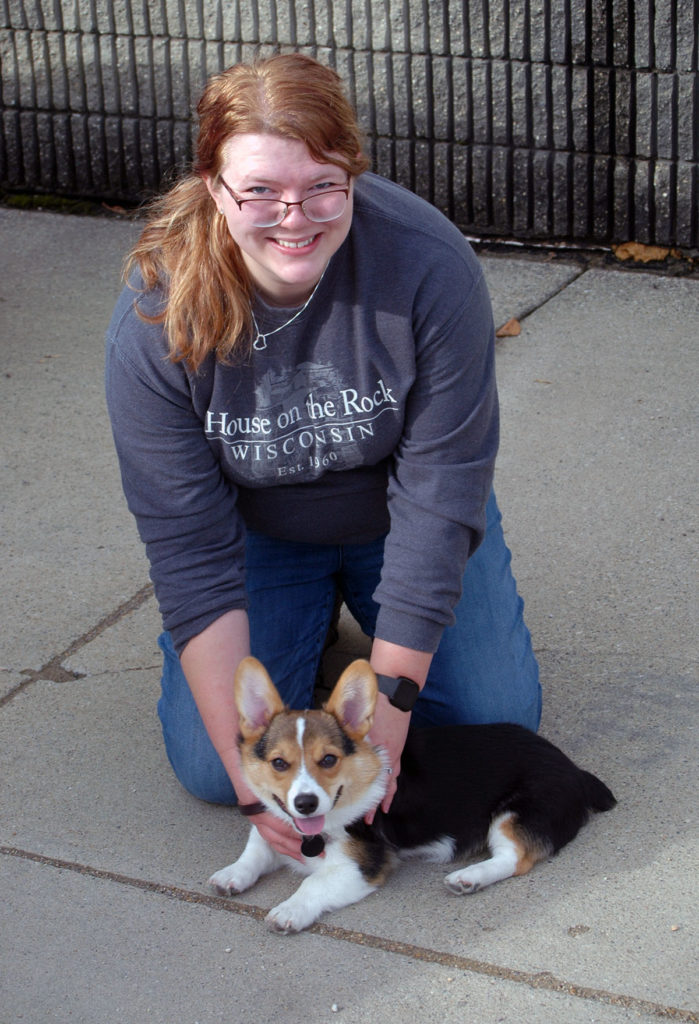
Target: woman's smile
286,243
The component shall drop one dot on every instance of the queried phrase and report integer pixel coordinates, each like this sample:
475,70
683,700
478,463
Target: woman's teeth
295,245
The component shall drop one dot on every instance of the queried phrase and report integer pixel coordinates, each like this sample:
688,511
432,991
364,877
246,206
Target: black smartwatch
401,692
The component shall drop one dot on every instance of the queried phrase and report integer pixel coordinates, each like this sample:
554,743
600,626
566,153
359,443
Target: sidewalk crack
54,670
530,310
541,980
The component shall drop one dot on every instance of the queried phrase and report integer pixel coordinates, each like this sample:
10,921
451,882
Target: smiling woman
300,377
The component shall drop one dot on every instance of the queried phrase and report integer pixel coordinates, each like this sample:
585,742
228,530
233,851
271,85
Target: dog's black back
455,780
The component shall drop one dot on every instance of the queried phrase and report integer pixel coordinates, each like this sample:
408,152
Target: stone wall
531,119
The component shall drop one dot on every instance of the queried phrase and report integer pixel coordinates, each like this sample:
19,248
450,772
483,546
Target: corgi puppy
463,790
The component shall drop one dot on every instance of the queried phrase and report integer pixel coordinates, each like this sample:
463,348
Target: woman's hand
390,727
389,731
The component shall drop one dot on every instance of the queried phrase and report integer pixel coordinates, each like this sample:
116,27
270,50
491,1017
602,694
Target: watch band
401,691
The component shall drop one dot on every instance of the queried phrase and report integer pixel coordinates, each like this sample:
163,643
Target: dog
462,790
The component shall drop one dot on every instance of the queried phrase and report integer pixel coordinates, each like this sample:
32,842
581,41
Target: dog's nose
306,803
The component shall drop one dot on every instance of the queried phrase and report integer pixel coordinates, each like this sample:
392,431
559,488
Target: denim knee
212,787
209,783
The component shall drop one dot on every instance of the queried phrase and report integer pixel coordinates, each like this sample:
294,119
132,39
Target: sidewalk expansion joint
540,980
530,310
53,669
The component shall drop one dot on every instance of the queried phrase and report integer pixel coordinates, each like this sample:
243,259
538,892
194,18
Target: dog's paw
232,880
463,881
290,916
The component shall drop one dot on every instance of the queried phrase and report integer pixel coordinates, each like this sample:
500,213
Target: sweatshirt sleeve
184,507
442,471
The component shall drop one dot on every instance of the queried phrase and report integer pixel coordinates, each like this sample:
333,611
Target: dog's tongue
310,826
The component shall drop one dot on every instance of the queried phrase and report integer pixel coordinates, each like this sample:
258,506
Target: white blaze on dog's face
312,767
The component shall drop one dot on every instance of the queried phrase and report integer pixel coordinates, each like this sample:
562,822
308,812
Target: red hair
292,96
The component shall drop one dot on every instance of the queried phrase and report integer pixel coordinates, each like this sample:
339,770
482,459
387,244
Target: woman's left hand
390,727
389,731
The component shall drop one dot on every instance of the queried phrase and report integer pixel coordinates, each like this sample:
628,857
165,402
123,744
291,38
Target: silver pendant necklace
260,342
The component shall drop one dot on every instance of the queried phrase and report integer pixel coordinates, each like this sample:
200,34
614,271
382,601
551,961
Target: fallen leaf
640,253
512,329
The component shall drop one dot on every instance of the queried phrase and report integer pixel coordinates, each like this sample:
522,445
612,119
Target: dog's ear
256,698
353,700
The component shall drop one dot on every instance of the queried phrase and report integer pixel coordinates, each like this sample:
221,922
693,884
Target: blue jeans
483,671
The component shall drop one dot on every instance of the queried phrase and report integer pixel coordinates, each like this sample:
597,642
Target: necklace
260,342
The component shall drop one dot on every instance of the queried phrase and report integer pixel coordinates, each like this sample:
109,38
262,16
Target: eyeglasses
267,213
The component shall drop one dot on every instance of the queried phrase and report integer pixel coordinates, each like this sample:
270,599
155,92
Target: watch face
401,692
406,694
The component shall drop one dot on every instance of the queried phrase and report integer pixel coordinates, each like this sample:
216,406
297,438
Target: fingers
388,799
279,836
393,774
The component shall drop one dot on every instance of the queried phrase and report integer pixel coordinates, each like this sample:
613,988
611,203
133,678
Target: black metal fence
573,120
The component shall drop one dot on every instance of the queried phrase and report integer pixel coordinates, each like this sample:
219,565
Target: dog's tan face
314,768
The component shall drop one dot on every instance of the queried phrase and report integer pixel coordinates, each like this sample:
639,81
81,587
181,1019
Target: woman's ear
213,188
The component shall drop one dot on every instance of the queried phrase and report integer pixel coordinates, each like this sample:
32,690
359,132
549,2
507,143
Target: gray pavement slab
68,559
597,467
148,955
115,806
104,858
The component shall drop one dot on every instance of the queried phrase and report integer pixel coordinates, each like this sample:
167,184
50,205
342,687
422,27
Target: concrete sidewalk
105,917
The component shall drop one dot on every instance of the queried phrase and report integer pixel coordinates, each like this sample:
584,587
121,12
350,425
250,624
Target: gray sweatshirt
374,412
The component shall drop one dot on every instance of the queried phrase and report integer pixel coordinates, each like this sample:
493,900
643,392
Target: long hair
186,246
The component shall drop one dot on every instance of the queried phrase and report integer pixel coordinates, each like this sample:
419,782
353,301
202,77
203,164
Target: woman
300,378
